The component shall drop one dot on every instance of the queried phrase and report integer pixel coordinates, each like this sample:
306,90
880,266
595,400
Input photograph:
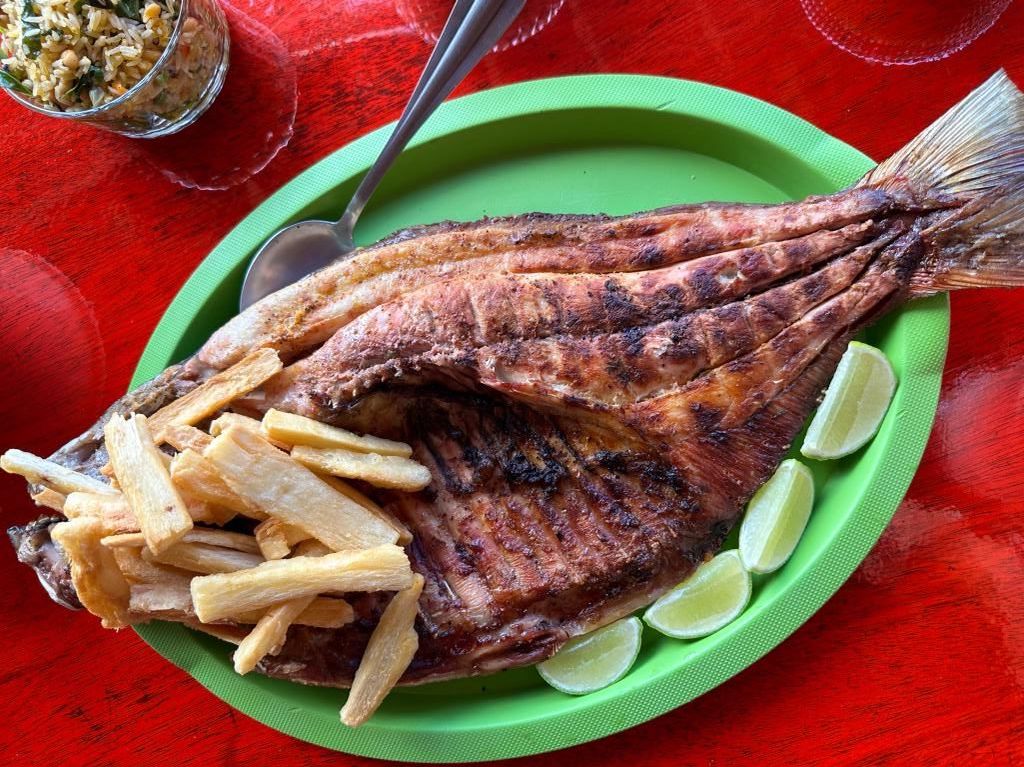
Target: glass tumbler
903,32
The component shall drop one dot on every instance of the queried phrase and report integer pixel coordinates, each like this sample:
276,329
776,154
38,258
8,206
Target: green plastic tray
597,143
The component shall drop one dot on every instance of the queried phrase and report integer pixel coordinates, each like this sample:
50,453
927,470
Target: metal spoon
472,29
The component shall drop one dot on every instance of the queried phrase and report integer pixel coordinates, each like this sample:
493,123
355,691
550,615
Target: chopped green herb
32,43
31,35
10,82
93,76
129,9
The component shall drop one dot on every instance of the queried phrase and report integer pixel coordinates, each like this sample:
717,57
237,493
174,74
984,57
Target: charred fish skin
596,397
443,321
304,315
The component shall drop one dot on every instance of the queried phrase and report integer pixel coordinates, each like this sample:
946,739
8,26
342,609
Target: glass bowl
183,82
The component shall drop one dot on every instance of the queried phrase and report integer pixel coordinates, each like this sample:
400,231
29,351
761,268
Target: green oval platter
583,144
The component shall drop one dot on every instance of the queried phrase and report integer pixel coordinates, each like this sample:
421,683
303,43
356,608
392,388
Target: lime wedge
714,595
776,517
854,404
595,660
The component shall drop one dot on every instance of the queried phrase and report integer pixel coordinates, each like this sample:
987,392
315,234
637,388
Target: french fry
383,568
153,498
269,634
390,471
195,475
54,476
206,512
295,535
220,538
135,569
343,487
171,598
323,612
326,613
299,430
350,491
391,648
117,516
98,582
201,558
223,538
112,510
311,548
224,420
108,471
216,392
273,542
119,540
183,438
276,538
49,499
271,481
232,634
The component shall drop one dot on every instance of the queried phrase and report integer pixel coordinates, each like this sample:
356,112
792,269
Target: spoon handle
472,29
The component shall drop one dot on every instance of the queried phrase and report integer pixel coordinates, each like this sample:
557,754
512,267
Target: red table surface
918,659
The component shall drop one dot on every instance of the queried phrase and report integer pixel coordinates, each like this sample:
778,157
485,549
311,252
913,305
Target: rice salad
69,54
75,55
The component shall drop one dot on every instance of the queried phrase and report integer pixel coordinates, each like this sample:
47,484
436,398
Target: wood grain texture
919,658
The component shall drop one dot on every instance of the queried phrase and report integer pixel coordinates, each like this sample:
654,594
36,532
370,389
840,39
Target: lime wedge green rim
893,456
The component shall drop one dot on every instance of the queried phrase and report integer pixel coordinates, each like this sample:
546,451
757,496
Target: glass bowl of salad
141,68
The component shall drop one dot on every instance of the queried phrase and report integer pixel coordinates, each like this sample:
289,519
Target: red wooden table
919,658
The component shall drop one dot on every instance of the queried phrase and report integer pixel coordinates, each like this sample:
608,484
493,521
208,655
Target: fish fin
974,148
970,163
979,245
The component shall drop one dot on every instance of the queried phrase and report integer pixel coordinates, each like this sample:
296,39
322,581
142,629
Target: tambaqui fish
597,397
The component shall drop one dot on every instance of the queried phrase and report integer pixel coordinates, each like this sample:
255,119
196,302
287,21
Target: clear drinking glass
183,82
904,32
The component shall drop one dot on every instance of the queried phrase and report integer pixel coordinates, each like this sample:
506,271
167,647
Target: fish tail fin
979,245
968,167
974,148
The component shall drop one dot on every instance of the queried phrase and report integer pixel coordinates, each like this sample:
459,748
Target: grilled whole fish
597,398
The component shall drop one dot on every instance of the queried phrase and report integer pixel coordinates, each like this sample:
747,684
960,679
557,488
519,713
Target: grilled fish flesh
596,398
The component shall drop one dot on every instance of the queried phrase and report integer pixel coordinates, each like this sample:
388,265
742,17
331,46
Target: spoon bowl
289,255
